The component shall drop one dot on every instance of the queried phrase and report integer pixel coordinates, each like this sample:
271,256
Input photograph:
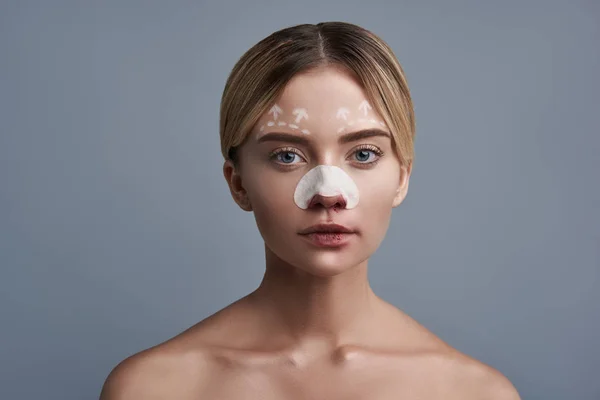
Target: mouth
326,229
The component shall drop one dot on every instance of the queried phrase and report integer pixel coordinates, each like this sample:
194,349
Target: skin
313,329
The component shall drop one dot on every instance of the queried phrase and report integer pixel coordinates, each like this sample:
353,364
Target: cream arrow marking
365,107
342,113
275,110
300,114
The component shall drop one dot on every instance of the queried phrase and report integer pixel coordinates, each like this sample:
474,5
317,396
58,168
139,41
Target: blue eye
363,155
287,157
366,156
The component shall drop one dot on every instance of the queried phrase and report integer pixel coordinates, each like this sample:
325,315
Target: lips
326,228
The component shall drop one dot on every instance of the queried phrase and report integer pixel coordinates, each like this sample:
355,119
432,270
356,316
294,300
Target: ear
234,181
402,190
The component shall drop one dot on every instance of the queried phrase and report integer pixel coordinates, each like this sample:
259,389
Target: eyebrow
346,138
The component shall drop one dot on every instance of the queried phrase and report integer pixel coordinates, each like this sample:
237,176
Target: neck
301,306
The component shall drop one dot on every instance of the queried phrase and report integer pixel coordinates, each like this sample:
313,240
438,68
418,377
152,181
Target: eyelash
377,151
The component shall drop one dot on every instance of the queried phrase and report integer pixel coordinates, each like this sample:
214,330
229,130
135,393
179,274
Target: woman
317,131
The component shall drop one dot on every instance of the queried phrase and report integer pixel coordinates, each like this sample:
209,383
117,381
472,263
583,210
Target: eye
285,156
363,154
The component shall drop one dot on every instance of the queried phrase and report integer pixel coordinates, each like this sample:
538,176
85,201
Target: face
320,155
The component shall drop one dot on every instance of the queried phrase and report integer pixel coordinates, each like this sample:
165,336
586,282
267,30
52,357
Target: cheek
377,193
378,190
272,198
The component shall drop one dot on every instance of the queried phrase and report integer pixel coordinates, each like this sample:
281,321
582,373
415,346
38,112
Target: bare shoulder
456,374
180,367
169,370
472,379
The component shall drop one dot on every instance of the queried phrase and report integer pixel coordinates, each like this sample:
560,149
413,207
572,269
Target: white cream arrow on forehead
326,180
365,107
300,114
342,113
275,110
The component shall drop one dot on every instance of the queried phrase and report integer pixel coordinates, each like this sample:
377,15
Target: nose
336,201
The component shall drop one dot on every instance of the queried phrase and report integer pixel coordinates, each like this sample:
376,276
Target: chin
317,260
327,264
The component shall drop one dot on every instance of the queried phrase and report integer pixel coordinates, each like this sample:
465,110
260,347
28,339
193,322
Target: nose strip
326,181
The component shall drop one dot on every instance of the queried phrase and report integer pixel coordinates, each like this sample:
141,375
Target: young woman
317,131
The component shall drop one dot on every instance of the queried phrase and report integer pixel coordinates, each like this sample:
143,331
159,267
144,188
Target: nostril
334,202
339,203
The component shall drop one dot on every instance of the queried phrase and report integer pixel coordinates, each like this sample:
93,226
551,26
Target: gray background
117,230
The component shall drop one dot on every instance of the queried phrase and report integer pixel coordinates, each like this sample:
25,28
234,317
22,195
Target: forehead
320,102
322,87
327,99
321,92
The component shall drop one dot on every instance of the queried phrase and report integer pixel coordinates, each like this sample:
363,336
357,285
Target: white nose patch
326,180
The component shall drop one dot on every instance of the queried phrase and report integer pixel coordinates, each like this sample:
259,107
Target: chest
374,384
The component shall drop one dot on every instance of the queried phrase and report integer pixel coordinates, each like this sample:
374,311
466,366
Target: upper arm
117,383
129,380
157,373
500,388
490,384
473,379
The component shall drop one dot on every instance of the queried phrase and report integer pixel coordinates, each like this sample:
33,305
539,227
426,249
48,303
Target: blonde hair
261,74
